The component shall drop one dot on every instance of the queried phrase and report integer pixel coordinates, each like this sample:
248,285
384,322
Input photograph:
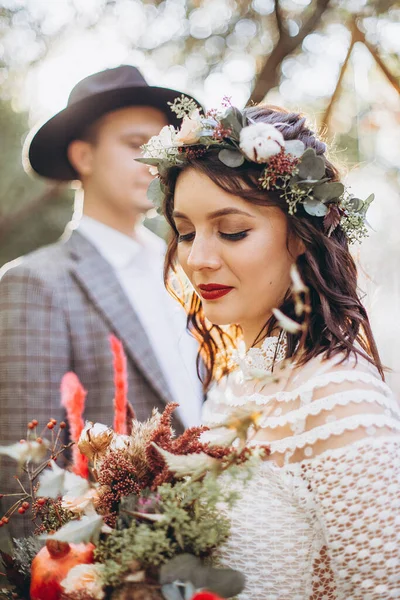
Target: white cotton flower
85,578
95,439
120,442
260,141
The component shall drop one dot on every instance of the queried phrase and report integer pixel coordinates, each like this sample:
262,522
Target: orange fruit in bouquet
51,565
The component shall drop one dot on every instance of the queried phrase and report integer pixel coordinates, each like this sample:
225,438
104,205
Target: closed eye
233,237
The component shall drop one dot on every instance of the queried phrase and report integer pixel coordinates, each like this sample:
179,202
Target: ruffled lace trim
323,432
308,387
328,403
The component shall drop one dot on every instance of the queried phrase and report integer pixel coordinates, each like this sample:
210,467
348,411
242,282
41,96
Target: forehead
196,196
140,120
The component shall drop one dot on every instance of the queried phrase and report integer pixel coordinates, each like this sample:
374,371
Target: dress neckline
256,363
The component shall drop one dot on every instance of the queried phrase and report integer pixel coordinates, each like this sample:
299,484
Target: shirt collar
118,249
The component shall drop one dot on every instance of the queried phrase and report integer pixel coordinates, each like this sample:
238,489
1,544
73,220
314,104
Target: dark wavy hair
338,321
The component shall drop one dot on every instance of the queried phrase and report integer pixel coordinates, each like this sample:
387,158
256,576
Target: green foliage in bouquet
190,521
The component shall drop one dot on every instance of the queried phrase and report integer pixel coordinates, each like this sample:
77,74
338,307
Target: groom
59,305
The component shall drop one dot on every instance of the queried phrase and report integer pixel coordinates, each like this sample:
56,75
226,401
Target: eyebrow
214,215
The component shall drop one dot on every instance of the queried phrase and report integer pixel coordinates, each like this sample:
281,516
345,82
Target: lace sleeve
347,450
340,431
356,491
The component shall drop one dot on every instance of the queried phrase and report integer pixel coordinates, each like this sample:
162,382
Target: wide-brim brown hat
45,149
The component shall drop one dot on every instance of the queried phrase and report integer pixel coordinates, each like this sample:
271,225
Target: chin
218,316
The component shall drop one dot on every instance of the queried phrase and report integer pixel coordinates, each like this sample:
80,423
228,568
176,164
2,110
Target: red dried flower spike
73,397
121,385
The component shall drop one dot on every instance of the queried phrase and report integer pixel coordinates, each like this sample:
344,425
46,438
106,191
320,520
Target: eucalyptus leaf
224,582
294,147
153,162
83,530
311,166
179,568
163,168
354,204
328,191
190,590
170,591
367,203
231,158
315,208
233,120
155,193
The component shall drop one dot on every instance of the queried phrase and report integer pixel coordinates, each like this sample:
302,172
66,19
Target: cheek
265,264
182,253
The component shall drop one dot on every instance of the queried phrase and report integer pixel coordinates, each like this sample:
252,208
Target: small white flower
161,146
191,128
85,578
260,141
153,170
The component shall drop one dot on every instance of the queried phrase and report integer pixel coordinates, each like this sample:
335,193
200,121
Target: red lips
213,291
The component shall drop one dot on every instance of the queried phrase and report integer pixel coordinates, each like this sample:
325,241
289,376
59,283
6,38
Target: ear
296,246
80,155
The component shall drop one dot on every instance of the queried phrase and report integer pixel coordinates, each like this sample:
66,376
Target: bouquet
138,514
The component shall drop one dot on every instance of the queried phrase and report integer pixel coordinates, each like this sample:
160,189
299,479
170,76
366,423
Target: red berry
54,421
1,523
35,422
25,505
21,510
31,425
63,425
22,441
41,501
50,425
1,496
5,520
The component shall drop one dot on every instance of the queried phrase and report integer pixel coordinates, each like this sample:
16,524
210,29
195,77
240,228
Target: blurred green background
336,61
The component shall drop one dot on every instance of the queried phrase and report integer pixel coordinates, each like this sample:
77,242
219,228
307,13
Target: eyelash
232,237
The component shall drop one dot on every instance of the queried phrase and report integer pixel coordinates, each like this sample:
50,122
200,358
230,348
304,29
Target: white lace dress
320,519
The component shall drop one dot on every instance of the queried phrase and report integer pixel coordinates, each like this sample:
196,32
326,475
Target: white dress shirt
138,265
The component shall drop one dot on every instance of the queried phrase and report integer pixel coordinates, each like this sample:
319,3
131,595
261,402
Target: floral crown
296,173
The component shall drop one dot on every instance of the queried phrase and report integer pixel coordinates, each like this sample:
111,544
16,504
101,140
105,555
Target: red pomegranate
51,565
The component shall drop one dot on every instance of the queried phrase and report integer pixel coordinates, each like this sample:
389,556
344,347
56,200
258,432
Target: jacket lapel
96,276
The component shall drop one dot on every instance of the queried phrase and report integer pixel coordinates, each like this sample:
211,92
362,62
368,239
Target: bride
247,195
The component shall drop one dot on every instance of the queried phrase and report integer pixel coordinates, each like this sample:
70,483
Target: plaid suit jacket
58,307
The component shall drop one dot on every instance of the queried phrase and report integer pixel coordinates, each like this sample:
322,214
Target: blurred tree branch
357,36
269,75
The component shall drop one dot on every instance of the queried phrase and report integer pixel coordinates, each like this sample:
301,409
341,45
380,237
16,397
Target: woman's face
234,253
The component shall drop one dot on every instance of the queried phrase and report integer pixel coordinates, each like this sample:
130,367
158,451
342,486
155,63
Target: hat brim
45,149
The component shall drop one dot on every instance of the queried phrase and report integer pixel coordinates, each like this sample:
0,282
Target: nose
203,255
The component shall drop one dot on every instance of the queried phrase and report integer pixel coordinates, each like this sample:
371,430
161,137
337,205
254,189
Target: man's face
112,177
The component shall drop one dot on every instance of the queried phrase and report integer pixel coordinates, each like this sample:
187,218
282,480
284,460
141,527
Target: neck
122,222
257,331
